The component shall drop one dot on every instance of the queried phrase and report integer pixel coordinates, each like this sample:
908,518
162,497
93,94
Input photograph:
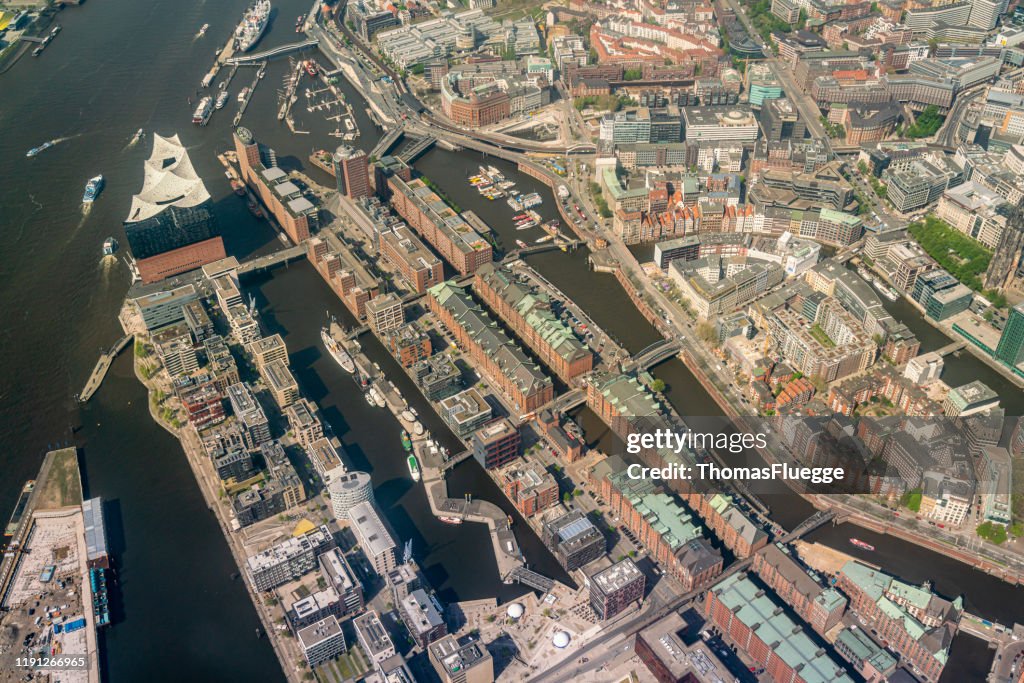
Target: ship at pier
253,25
338,353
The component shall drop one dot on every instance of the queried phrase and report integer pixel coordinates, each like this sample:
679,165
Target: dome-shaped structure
560,640
515,610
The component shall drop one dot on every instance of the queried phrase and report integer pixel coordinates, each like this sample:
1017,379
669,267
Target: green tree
658,385
964,258
927,123
707,334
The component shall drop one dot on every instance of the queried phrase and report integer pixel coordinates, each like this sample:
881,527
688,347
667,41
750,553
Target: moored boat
414,467
406,443
203,110
19,508
253,25
861,544
339,354
450,520
222,99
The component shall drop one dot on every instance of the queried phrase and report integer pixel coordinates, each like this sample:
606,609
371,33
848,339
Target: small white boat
417,429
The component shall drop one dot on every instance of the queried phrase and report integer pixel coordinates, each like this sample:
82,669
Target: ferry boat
856,542
202,113
41,148
406,443
110,245
254,23
19,508
414,467
222,99
339,354
92,189
450,520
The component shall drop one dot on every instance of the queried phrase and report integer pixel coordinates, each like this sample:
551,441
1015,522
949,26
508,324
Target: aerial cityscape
608,341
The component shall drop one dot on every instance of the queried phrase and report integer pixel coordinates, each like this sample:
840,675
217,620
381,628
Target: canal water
372,440
121,65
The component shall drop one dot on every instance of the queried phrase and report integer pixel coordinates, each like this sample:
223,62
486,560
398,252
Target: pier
270,54
248,95
102,366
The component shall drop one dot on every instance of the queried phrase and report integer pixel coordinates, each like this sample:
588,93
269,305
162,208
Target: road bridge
657,352
540,248
387,143
417,149
275,52
567,401
277,258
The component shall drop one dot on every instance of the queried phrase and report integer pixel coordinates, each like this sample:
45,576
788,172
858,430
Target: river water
121,65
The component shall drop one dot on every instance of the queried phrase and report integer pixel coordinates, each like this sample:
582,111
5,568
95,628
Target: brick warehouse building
760,628
439,224
529,314
283,199
504,362
820,607
915,622
417,264
670,532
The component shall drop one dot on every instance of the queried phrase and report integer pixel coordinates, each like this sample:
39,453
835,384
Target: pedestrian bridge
530,578
270,54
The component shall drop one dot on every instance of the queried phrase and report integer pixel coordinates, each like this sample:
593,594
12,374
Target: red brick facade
180,260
